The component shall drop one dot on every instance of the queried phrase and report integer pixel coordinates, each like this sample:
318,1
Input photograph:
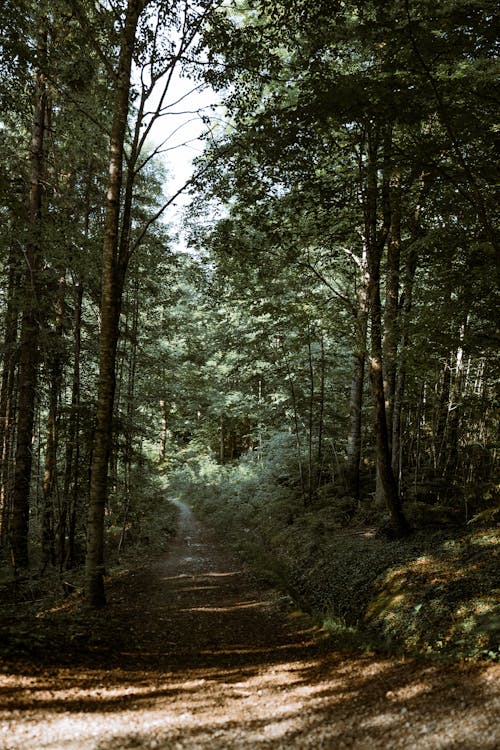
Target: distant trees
362,133
60,299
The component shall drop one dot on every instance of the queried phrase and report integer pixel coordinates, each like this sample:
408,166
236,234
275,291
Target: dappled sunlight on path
204,658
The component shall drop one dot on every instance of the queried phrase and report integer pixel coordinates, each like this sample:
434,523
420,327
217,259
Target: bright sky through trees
180,131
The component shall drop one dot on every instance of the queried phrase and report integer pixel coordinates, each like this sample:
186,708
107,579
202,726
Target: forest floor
193,652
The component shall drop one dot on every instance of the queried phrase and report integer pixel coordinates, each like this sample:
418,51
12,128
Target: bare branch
191,181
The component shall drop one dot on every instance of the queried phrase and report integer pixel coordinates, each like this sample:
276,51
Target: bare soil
192,652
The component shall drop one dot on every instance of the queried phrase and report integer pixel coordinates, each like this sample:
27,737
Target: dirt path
194,655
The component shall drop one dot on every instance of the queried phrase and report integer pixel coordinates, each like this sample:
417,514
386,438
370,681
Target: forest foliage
325,333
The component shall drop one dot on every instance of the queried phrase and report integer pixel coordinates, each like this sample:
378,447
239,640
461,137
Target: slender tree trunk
112,288
31,321
52,433
390,339
222,440
7,390
311,480
419,421
321,416
455,410
406,305
259,401
442,416
66,540
298,443
164,430
391,310
67,521
357,383
375,242
130,412
387,478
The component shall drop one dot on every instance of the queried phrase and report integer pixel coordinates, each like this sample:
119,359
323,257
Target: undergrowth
42,612
435,592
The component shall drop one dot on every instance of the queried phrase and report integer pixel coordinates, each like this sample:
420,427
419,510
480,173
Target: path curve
199,656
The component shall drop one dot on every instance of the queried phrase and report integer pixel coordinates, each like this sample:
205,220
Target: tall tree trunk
222,440
455,409
441,419
321,415
31,319
357,382
298,442
406,305
391,309
55,367
375,242
390,339
113,273
66,535
162,451
7,391
311,479
130,412
389,485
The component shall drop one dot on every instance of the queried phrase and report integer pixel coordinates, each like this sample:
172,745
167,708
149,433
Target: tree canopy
332,304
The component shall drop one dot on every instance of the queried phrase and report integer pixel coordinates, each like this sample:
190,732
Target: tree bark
7,391
357,383
52,433
391,309
455,409
66,529
298,443
321,415
311,479
388,481
375,242
31,320
405,305
130,412
162,451
113,273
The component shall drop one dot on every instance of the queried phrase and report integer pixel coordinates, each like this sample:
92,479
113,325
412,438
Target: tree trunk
455,410
441,419
162,451
7,391
31,321
298,443
406,305
357,384
392,219
375,242
321,415
52,433
130,413
222,440
391,310
311,479
388,481
66,536
112,288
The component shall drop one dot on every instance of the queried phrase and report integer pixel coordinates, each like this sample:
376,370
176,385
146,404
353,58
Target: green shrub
429,593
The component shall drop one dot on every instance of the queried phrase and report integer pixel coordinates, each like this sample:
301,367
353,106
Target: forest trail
195,654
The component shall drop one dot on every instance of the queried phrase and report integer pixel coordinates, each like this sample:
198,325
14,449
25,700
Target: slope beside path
193,653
